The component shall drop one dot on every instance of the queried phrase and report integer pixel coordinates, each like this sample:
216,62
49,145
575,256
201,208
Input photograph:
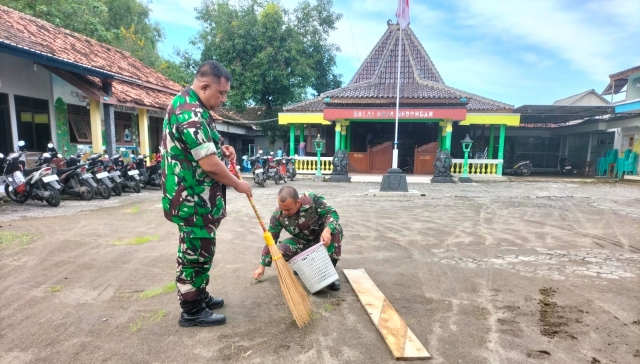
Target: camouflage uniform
305,227
191,199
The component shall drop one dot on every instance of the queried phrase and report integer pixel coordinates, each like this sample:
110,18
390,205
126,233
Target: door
32,117
6,138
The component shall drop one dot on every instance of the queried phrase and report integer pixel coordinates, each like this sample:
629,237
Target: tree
275,56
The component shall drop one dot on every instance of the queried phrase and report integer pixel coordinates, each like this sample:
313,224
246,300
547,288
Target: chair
611,162
603,163
599,165
629,166
618,170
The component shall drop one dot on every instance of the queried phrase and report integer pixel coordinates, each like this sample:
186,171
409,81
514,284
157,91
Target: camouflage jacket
308,223
190,196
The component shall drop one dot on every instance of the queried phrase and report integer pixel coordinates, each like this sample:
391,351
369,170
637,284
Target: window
33,122
6,137
79,124
124,130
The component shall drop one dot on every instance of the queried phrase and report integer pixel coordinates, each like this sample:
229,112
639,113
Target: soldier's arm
275,228
328,213
204,147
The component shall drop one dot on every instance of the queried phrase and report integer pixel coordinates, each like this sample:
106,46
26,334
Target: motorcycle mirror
21,143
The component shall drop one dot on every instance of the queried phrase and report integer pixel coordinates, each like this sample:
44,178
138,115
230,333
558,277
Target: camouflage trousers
291,247
195,253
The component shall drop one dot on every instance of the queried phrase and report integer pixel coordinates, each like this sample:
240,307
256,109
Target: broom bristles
295,296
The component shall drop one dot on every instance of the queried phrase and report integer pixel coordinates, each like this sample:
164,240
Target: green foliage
275,56
167,288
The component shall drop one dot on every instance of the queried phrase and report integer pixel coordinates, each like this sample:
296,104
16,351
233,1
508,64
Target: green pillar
503,130
490,155
292,139
349,138
439,136
338,129
343,138
449,130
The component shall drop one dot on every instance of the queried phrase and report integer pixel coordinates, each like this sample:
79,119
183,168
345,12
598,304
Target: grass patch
167,288
55,289
145,319
327,307
11,237
134,209
137,240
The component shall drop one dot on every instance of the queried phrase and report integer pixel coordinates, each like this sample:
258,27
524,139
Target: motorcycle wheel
54,196
104,191
526,171
86,196
13,196
117,188
136,187
276,178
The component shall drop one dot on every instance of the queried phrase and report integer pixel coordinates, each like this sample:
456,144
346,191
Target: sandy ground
482,273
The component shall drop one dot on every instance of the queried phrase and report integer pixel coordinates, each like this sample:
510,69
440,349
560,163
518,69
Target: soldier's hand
326,237
229,152
258,273
243,187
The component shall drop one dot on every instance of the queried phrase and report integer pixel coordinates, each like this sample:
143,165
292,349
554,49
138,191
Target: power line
355,46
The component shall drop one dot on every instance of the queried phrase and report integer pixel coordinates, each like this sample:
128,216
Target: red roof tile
147,87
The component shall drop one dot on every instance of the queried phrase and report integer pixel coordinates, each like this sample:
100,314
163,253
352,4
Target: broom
297,299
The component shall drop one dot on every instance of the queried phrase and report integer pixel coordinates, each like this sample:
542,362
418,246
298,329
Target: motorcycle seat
60,171
30,171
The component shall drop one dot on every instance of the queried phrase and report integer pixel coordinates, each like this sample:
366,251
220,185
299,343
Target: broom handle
253,205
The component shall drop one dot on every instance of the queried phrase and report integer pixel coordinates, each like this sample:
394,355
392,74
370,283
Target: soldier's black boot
208,301
195,314
335,285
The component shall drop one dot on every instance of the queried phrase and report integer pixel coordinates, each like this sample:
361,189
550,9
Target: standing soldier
309,220
194,178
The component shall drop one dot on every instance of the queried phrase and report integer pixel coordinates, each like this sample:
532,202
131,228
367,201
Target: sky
514,51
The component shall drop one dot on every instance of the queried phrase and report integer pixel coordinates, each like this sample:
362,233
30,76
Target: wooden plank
404,345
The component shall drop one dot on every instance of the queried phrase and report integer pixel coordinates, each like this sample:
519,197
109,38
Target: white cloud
583,36
176,12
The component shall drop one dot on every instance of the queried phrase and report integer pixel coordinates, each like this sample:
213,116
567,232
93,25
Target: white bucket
314,268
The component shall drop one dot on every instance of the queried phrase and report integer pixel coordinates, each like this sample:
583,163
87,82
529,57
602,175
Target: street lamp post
466,147
318,143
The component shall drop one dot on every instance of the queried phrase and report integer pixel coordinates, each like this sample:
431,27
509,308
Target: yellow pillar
143,132
96,126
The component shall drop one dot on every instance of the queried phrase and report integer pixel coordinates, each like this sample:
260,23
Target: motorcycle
129,173
564,166
522,168
96,168
74,178
281,169
35,183
259,177
291,172
271,168
149,176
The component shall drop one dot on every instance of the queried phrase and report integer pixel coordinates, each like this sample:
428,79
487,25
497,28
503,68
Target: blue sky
517,51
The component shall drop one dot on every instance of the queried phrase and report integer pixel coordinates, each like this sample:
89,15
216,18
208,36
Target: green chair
613,158
600,162
603,166
629,166
618,169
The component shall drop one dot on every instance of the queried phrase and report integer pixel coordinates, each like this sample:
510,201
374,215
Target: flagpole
395,143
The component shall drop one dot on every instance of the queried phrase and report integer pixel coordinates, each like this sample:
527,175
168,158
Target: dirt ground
481,273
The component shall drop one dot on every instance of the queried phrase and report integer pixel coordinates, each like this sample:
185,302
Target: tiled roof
252,113
26,32
376,79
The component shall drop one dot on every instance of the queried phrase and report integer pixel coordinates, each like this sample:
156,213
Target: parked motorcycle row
53,176
264,168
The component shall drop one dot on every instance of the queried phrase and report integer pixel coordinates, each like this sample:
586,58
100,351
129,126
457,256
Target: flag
402,14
